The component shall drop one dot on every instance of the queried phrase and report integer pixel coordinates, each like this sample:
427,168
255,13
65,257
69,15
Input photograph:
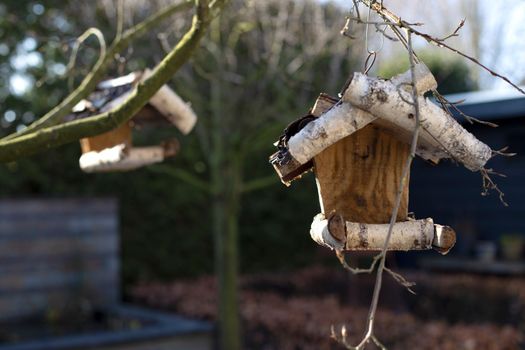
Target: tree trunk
225,222
225,171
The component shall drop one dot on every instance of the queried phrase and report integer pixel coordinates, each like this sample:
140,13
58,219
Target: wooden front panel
358,177
56,254
121,134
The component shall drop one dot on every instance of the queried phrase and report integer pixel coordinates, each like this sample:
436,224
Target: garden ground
296,310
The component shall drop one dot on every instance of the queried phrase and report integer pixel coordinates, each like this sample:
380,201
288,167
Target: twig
341,256
181,175
401,280
396,21
369,335
57,135
445,104
503,152
120,19
455,32
489,184
76,46
55,115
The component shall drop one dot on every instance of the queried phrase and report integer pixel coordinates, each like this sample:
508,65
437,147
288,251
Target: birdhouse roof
389,105
164,106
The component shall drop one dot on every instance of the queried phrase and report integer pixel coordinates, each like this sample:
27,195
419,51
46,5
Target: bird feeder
114,150
357,147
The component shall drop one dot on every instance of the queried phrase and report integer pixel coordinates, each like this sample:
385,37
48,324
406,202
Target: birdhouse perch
357,147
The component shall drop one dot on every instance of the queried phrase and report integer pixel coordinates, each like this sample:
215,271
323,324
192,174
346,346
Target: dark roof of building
491,104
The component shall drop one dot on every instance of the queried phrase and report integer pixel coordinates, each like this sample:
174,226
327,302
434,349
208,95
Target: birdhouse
358,146
114,150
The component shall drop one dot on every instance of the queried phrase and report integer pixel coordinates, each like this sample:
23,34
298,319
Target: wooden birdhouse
358,146
114,150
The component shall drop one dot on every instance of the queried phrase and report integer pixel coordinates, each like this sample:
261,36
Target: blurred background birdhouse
114,150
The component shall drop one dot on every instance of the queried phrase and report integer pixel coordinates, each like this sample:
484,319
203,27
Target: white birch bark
344,119
118,158
440,132
337,123
406,235
178,112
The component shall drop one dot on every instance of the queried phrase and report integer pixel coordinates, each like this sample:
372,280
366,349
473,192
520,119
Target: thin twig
76,46
401,280
396,21
489,184
342,259
56,114
120,19
503,152
445,104
369,335
455,32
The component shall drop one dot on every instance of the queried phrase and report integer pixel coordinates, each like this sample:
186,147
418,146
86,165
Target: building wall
57,255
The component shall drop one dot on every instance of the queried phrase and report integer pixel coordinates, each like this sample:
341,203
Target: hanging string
372,54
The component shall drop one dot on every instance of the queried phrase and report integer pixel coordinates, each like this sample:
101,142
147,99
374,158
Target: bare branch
342,259
489,184
503,152
369,335
72,60
181,175
396,21
455,32
401,280
258,184
55,115
120,19
446,105
57,135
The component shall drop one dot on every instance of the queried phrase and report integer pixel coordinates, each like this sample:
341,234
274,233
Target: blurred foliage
451,72
165,223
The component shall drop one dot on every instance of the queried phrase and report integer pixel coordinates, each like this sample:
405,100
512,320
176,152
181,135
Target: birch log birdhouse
357,147
114,150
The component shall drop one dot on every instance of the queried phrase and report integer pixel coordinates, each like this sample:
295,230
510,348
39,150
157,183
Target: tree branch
55,115
395,21
258,184
54,136
182,175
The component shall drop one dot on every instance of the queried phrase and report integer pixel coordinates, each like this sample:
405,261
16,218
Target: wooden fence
57,254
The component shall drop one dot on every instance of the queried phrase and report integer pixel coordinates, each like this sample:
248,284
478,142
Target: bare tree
260,61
